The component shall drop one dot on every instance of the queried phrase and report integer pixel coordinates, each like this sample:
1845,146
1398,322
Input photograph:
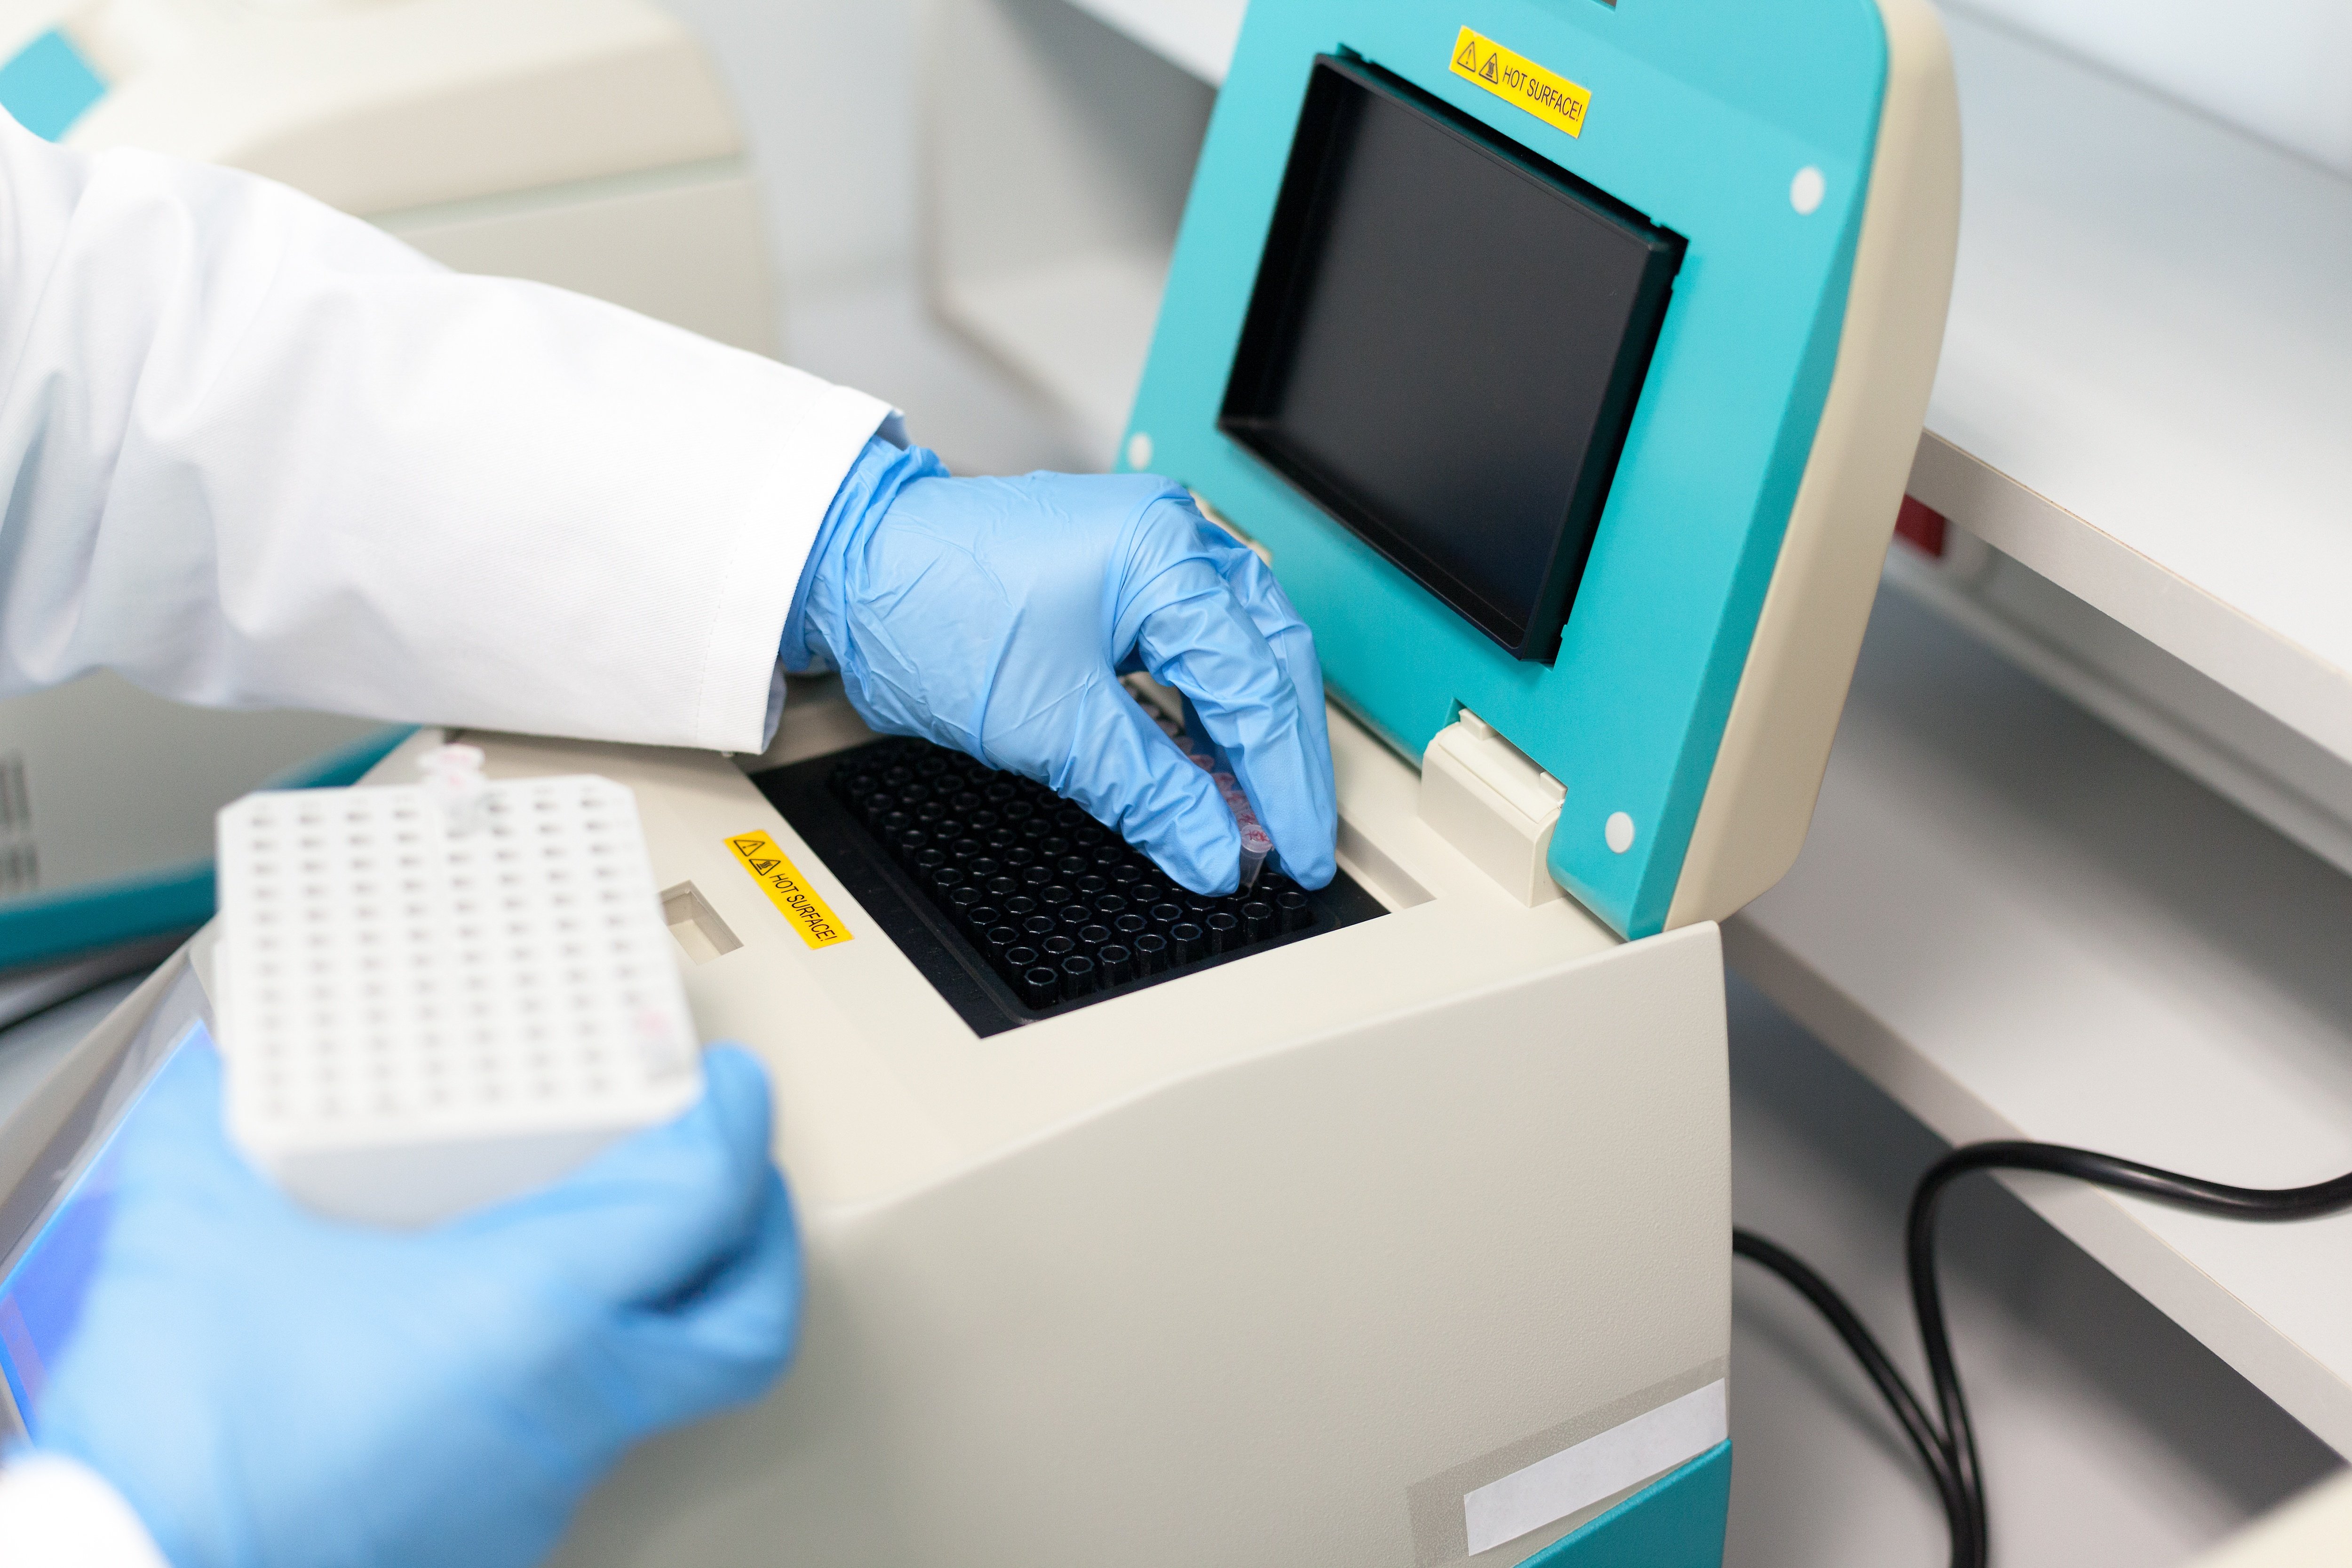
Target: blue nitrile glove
995,615
268,1389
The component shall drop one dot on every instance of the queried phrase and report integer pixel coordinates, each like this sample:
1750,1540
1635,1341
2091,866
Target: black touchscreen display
1444,347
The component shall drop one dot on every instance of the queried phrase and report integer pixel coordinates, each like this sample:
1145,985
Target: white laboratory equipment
1567,364
1276,1260
586,143
1401,1236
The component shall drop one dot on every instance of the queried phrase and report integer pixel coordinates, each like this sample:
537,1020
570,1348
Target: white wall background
825,91
2279,69
823,88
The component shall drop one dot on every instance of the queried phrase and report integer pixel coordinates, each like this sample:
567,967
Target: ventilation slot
697,925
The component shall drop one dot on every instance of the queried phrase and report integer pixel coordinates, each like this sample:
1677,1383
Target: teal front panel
52,925
1703,113
1675,1521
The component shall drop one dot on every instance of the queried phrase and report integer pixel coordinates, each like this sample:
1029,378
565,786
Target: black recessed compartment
1444,347
1100,920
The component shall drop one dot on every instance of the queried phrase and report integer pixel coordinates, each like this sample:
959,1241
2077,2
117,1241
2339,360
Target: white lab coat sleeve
55,1513
259,454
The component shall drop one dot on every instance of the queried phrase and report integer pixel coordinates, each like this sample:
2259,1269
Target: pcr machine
1567,360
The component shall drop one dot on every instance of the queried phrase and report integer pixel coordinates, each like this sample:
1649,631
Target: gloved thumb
651,1216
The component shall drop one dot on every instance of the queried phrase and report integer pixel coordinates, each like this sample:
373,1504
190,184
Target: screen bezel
1286,270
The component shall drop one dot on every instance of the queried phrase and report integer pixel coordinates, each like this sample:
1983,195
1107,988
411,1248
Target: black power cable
2258,1203
1925,1436
1948,1449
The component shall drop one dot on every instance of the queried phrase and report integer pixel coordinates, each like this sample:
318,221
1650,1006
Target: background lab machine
587,143
1567,362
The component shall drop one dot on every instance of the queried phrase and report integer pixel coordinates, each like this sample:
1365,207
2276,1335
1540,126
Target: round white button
1620,832
1138,451
1806,191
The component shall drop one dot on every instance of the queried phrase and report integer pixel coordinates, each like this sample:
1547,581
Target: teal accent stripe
150,903
48,85
1675,1521
101,914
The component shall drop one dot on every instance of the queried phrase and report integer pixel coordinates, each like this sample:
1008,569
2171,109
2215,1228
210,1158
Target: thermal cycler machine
1566,358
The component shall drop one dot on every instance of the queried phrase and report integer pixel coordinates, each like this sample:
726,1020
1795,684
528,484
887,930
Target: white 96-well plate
417,1020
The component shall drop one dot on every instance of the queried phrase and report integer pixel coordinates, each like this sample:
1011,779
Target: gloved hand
995,615
268,1388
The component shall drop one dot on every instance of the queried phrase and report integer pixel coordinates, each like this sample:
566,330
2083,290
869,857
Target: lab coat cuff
737,710
57,1513
775,718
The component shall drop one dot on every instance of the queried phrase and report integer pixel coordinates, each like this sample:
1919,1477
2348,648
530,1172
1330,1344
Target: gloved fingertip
711,1155
736,1093
1213,875
1199,844
734,1074
728,1340
1313,873
1305,843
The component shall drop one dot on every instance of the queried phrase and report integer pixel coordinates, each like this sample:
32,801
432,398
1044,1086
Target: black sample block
1013,903
1445,346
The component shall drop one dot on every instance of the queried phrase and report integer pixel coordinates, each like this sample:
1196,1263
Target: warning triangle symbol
1468,59
1490,74
764,866
749,846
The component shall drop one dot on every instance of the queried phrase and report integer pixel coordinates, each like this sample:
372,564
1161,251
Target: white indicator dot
1138,451
1620,832
1806,191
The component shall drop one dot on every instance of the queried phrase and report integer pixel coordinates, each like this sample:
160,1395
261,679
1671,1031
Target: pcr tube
1257,843
454,781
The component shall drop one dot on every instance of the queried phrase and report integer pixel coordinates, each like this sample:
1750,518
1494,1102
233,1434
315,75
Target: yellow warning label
787,890
1516,79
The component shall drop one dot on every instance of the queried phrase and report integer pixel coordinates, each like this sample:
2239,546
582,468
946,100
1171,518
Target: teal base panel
345,766
1675,1521
82,919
